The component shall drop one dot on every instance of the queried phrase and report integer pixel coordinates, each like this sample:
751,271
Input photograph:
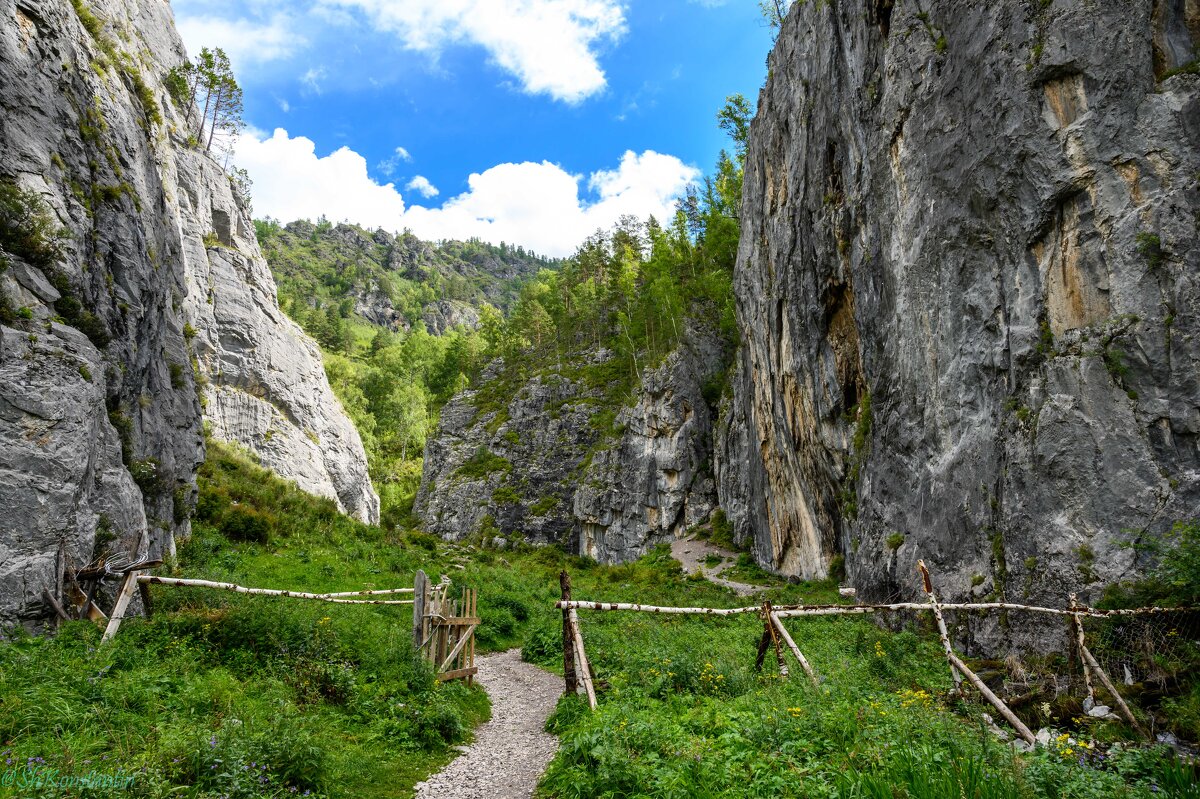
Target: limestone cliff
544,458
100,422
265,385
969,292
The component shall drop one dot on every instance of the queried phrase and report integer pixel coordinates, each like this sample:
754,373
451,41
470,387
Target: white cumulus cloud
388,166
422,186
291,182
537,205
549,45
244,40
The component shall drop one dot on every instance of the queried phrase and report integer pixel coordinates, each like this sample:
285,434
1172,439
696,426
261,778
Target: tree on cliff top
207,84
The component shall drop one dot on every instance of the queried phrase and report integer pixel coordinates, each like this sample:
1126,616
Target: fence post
419,583
927,584
1077,625
568,638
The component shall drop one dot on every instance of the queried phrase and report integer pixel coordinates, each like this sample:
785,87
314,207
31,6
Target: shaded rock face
540,468
82,415
656,480
100,421
265,384
511,469
968,288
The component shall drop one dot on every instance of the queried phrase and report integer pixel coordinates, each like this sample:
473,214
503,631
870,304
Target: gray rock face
443,316
82,416
656,481
511,466
538,467
265,385
100,422
969,288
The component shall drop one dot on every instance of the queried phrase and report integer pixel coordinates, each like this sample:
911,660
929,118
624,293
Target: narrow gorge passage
510,752
691,554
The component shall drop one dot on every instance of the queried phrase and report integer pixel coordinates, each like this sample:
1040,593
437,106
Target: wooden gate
444,627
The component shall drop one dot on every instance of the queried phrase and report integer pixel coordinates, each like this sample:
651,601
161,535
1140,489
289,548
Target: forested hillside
397,319
406,324
592,426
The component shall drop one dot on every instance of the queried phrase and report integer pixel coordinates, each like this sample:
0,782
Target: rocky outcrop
544,460
443,316
505,459
655,481
265,386
100,421
968,288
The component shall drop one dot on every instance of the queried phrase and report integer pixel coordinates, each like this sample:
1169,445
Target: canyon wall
968,288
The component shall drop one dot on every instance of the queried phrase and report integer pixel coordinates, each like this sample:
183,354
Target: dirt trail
511,751
691,552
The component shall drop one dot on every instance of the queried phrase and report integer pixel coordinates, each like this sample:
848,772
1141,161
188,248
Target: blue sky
535,121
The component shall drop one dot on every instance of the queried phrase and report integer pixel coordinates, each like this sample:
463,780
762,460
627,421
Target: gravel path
691,552
511,751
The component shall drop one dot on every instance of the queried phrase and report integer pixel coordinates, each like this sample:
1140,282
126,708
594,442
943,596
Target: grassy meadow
223,695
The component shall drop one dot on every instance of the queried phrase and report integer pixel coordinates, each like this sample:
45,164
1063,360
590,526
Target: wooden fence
577,669
440,633
442,636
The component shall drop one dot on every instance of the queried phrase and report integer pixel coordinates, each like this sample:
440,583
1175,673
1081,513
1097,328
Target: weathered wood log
54,605
474,610
469,673
241,589
795,649
1112,689
458,647
568,639
769,625
1077,626
371,593
418,631
128,586
585,668
764,642
927,584
996,701
147,601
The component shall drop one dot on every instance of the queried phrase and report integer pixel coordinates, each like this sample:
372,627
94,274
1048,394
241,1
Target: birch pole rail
787,639
927,584
996,701
150,579
581,660
797,611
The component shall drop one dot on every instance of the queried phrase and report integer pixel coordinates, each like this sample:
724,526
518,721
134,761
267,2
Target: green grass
332,699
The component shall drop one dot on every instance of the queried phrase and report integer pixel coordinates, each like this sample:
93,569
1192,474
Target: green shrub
543,643
147,473
27,228
242,523
544,505
83,320
722,530
483,463
1150,247
506,495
